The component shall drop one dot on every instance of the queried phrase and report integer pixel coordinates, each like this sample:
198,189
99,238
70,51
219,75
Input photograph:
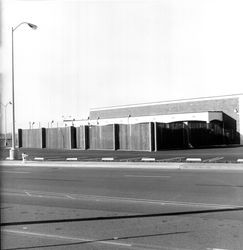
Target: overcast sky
88,54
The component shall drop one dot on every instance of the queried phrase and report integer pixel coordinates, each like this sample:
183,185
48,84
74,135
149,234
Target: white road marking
107,159
147,159
60,237
14,172
71,159
123,199
148,176
194,159
39,158
28,193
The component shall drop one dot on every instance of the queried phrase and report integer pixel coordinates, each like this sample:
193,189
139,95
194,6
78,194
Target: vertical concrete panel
141,137
93,133
52,139
32,138
124,135
101,137
61,138
92,137
81,137
135,137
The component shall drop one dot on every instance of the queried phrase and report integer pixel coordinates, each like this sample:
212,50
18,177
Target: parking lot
209,155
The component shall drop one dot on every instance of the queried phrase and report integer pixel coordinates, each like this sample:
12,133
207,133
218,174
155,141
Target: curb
141,165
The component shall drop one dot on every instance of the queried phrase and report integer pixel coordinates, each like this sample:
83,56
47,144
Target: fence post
151,137
155,137
43,137
115,137
86,137
20,138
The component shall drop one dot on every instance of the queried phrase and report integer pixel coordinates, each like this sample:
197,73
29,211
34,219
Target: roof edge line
165,102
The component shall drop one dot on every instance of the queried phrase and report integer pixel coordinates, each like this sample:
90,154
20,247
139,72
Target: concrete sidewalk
142,165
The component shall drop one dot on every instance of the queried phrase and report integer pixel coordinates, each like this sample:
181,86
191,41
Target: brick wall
226,105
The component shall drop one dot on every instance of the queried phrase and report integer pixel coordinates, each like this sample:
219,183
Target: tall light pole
5,118
12,150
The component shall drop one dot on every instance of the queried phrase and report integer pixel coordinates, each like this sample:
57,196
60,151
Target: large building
225,111
187,123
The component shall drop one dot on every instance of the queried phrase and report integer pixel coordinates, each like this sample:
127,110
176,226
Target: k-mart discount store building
183,123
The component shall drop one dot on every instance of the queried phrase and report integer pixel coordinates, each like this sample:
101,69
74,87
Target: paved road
104,208
221,154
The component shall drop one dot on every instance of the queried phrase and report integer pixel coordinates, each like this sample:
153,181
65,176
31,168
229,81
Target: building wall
228,104
175,124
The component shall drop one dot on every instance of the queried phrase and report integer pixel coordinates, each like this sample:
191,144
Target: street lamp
5,117
12,150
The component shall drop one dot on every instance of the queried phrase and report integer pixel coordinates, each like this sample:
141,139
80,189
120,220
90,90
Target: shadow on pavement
230,209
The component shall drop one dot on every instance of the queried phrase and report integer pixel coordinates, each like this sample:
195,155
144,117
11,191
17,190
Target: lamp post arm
29,24
14,28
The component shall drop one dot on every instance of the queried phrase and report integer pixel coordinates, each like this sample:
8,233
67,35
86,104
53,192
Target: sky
99,53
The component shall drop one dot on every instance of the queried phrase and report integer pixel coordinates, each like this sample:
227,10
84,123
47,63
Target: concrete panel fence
146,136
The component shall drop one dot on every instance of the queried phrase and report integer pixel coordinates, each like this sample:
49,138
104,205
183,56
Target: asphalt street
120,208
